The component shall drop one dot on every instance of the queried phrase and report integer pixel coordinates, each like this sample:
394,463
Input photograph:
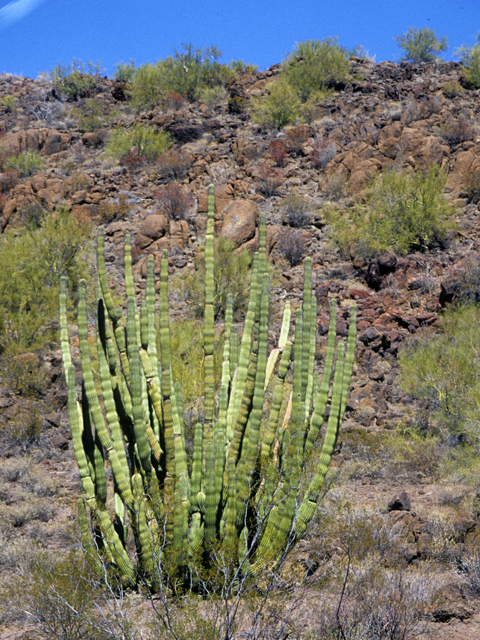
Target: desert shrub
124,71
211,96
133,160
8,179
26,163
175,202
470,56
378,605
145,140
146,91
334,187
117,209
278,151
457,131
32,215
93,115
9,103
471,184
440,370
297,211
315,65
188,366
269,180
231,275
186,73
421,45
174,101
62,599
312,109
292,245
76,80
24,374
323,151
279,108
174,164
32,263
403,212
296,137
22,426
452,89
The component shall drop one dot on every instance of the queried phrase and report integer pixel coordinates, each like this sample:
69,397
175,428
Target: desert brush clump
403,212
251,483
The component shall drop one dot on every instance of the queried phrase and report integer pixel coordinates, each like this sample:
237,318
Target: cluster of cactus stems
259,462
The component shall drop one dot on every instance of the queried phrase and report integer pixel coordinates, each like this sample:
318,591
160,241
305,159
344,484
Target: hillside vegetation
370,170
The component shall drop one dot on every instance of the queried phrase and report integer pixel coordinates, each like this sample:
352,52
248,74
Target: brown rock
451,601
389,139
154,226
400,502
240,221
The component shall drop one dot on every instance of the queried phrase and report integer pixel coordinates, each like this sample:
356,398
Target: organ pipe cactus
259,462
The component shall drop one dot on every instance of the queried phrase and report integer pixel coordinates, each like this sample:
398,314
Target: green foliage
76,80
421,45
188,359
93,115
147,87
232,273
124,71
26,163
211,96
144,139
315,65
442,371
9,103
403,212
32,263
452,89
470,56
279,108
186,73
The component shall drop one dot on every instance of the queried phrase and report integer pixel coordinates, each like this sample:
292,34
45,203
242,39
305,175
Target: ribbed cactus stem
242,495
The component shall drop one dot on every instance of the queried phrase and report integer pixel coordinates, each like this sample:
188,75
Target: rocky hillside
388,116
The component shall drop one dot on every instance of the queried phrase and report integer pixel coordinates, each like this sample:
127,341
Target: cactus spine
244,490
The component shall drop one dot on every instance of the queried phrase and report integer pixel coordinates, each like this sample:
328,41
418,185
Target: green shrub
315,65
93,115
26,163
32,263
441,370
403,212
470,56
124,71
187,73
9,103
421,45
144,139
211,96
231,275
76,80
146,92
279,108
452,89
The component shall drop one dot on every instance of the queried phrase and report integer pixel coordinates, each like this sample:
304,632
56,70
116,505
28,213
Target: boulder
240,221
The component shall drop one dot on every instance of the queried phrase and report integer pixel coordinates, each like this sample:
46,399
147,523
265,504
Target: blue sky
35,35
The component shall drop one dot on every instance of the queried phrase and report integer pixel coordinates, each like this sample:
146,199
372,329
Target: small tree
316,65
278,109
421,45
470,56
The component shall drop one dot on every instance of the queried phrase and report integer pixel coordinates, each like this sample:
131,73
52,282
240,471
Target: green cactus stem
242,491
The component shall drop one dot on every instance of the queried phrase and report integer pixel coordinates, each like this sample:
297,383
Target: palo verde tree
421,45
254,478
